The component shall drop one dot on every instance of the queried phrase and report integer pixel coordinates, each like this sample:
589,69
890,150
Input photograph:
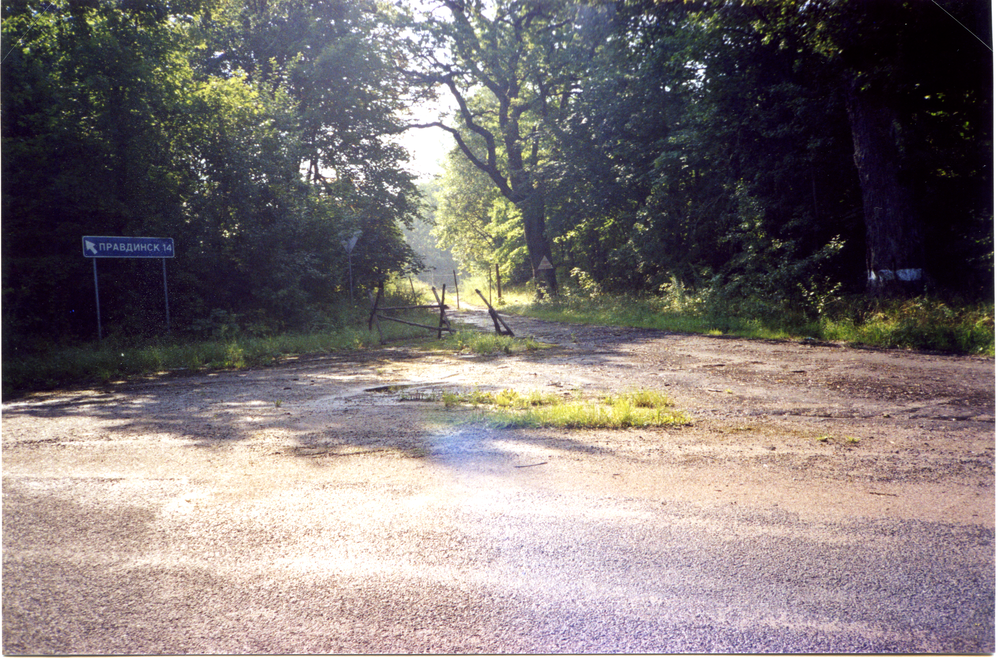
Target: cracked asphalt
824,499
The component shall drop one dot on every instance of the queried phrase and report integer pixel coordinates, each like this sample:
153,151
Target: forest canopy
777,150
257,135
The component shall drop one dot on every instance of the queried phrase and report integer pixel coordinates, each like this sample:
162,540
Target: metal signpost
102,246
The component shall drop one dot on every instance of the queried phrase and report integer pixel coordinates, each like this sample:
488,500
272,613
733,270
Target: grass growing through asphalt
510,409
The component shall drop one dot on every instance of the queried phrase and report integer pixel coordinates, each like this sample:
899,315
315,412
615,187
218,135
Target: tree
92,104
707,131
477,223
257,135
337,62
907,70
690,138
520,53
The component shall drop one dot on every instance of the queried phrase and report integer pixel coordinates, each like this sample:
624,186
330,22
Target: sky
428,146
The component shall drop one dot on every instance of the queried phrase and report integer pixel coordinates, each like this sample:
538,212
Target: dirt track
823,499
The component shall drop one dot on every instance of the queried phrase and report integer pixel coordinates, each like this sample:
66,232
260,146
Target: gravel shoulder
824,498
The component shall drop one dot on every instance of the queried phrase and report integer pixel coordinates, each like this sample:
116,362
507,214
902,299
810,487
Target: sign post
544,264
97,296
349,246
101,246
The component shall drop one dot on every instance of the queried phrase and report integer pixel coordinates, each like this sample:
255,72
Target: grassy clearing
922,324
510,409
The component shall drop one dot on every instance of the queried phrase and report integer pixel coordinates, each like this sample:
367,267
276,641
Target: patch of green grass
475,342
109,362
511,409
922,323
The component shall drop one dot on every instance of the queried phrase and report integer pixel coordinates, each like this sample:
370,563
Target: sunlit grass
511,409
923,323
477,342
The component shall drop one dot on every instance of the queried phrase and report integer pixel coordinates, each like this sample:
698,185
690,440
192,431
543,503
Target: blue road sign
101,246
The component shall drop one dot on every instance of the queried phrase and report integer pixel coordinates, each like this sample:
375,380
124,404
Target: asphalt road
119,540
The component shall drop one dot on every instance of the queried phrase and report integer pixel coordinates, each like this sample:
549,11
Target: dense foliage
255,134
770,153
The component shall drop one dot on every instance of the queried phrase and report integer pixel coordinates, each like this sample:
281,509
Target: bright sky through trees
428,146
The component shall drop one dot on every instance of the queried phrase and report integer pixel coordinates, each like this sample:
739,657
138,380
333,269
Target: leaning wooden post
499,291
458,306
497,320
443,322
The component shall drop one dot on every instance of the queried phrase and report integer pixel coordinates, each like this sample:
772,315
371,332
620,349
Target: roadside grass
111,361
117,359
510,409
923,323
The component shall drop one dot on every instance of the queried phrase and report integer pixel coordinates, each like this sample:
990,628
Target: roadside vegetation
227,343
922,323
224,343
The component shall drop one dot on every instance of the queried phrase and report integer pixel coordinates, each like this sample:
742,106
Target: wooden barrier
497,320
377,313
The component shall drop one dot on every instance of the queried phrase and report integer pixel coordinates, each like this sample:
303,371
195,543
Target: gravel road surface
823,499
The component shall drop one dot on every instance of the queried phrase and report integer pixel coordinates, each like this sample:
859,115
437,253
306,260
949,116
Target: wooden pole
499,291
497,320
442,321
414,324
458,306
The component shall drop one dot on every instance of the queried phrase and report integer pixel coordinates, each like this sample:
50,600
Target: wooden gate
378,313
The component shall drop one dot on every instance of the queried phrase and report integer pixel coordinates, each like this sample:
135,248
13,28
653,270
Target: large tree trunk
529,196
539,251
894,240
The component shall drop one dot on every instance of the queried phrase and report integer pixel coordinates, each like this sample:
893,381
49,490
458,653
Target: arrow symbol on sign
90,246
